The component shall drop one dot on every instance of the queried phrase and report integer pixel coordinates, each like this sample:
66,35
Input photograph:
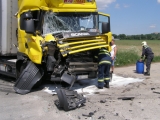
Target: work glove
142,60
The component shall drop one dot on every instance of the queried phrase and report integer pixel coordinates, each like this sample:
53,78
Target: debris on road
102,101
152,88
102,117
126,98
156,92
69,100
89,115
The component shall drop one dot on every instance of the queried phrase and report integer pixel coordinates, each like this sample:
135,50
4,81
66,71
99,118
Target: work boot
106,85
99,87
147,74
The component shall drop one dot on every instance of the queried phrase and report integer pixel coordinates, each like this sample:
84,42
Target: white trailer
8,26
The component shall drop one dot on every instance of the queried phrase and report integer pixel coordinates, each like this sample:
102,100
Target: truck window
102,19
69,22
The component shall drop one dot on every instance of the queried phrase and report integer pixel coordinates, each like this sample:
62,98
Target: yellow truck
55,40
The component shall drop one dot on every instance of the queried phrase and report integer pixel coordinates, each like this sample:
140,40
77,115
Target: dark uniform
104,61
149,55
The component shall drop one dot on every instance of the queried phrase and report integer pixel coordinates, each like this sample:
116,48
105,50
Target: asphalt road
142,103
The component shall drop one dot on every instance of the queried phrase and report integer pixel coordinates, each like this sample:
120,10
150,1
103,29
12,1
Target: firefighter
104,61
149,55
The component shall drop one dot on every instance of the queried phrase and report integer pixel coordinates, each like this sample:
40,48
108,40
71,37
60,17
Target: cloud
158,1
152,26
117,6
126,6
102,4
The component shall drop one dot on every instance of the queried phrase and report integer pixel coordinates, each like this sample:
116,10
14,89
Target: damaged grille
82,62
76,45
79,66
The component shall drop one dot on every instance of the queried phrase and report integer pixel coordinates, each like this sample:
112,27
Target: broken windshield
68,22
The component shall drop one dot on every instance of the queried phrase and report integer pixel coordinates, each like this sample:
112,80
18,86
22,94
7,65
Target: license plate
82,77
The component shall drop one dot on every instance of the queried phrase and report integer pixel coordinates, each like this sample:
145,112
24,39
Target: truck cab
60,37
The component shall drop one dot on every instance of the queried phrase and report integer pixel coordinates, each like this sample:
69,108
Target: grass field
129,51
136,44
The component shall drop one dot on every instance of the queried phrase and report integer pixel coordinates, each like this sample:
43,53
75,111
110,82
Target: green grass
129,51
156,59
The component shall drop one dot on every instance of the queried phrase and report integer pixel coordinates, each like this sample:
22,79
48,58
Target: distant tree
158,36
115,36
148,36
143,37
152,36
128,37
132,37
136,37
122,36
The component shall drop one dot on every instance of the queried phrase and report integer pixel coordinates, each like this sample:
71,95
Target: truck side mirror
29,26
105,27
28,22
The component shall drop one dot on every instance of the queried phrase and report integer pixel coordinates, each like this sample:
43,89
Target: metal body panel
8,26
58,5
0,22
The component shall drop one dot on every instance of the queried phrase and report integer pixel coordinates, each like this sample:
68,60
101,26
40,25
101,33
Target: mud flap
69,100
28,78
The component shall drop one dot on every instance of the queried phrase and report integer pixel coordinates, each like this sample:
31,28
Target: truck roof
59,5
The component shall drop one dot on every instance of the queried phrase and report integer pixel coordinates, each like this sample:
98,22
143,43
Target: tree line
152,36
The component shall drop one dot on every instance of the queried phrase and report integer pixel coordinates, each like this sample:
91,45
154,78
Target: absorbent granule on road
88,87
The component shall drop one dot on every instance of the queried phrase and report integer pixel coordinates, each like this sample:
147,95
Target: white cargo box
8,26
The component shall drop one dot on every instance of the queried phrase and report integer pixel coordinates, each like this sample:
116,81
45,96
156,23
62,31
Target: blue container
140,67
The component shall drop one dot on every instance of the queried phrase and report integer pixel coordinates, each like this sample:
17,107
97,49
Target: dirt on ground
134,101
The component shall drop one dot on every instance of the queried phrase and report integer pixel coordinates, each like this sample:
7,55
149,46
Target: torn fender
28,78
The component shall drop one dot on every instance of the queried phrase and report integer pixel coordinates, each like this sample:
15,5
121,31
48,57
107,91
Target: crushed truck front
62,35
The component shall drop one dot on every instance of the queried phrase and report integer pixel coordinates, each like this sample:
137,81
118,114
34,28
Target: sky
132,17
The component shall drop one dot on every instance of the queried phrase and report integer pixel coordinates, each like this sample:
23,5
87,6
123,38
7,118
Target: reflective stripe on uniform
104,62
145,46
100,80
103,50
104,53
106,78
